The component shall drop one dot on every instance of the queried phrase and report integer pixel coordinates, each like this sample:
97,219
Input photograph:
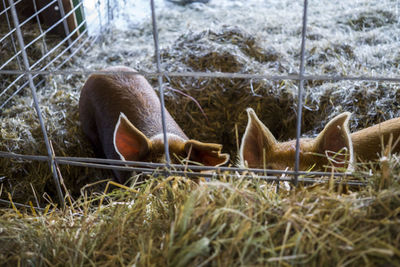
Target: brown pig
260,149
121,116
333,146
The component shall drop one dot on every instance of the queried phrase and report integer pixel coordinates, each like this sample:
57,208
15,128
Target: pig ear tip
250,110
346,115
122,116
251,113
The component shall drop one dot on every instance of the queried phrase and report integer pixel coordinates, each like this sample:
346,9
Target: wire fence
29,73
54,53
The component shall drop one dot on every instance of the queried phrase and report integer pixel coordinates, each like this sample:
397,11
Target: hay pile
212,109
176,222
222,102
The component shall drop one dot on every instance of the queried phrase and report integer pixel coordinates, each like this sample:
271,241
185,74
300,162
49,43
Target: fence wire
300,93
51,57
227,75
36,103
26,71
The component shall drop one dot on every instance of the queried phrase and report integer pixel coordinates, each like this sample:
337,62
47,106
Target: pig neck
142,107
172,139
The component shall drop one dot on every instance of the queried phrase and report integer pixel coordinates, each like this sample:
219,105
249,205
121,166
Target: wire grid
50,58
150,168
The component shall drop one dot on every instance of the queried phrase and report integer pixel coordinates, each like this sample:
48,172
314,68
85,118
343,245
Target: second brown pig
121,115
259,148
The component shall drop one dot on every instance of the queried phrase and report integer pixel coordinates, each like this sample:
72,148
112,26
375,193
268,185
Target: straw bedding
223,222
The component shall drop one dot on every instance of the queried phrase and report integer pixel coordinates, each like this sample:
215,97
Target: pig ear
334,138
129,142
206,153
256,142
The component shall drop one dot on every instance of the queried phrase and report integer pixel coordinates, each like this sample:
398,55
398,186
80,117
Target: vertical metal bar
36,102
161,89
12,37
98,4
300,93
277,184
40,26
65,22
108,13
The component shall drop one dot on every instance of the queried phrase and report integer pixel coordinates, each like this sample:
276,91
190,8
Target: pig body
368,142
121,116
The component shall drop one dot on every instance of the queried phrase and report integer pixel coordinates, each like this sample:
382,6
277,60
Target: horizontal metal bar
20,205
150,168
211,75
208,175
104,166
4,154
198,167
163,166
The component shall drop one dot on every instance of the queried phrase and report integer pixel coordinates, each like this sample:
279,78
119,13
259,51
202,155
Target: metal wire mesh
50,58
26,74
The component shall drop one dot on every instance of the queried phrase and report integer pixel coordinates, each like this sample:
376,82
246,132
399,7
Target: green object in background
79,15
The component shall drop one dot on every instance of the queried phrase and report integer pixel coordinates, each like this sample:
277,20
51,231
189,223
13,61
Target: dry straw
224,222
